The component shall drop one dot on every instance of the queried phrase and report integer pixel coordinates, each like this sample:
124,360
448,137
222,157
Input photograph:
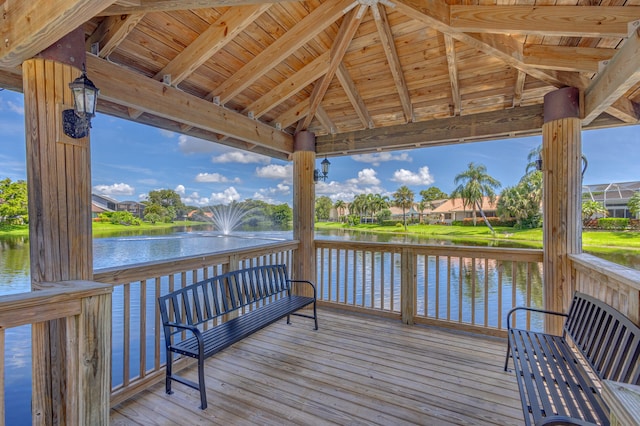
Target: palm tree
340,206
592,208
378,203
403,198
473,185
358,205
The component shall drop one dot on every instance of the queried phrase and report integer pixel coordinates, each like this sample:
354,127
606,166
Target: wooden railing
137,345
471,288
614,284
83,308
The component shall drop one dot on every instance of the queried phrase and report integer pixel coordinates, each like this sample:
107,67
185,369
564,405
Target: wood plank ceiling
365,75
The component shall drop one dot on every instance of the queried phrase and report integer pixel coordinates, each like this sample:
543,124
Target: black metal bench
196,318
558,377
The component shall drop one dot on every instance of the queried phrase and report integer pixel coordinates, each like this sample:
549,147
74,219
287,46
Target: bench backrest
214,297
609,341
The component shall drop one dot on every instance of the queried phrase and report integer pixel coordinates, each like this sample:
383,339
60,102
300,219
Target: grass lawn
592,239
102,228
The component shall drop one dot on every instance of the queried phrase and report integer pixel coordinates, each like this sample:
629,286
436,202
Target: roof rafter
29,27
356,100
230,24
146,6
347,30
314,23
621,74
111,32
387,42
567,58
450,50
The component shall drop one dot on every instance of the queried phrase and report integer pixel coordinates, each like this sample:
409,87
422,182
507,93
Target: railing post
408,285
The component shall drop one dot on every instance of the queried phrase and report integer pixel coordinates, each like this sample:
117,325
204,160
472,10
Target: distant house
614,196
102,204
454,210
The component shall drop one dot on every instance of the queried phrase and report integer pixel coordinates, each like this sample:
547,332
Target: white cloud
194,199
268,195
407,177
366,183
18,109
180,189
275,171
227,196
242,157
377,158
115,189
190,145
167,133
215,178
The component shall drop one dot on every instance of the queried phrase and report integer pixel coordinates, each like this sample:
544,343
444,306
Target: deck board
355,370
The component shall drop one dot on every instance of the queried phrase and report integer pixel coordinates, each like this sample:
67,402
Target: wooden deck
354,370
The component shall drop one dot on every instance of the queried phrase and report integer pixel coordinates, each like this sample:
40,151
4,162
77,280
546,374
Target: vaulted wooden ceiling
363,75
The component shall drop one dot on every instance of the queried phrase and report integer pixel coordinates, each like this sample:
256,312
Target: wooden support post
60,239
304,156
562,229
408,285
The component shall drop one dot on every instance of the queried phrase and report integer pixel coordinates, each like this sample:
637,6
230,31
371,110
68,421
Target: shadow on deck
354,370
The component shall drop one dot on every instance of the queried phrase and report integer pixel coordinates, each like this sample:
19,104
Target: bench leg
315,315
169,372
506,358
203,389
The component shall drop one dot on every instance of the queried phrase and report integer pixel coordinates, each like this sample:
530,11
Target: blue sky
128,160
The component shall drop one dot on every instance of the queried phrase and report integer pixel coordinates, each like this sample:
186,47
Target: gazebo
295,80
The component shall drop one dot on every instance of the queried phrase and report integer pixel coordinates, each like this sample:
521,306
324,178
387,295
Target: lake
132,248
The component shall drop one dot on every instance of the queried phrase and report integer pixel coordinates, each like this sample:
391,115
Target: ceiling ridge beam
210,41
545,20
310,26
348,29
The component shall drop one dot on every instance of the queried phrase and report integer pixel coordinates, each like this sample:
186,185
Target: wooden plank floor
354,370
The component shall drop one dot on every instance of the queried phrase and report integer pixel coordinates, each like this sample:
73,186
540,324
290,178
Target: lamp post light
77,121
324,174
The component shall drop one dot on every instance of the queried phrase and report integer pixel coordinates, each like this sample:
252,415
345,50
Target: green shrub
609,223
494,221
399,225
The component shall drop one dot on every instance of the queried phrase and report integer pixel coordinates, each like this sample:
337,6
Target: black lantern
324,174
77,121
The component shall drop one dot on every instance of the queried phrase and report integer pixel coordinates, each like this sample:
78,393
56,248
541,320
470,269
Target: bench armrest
306,282
526,308
192,328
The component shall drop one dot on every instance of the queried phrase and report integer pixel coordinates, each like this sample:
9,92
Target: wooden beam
519,89
625,110
444,131
621,74
310,26
301,79
29,27
567,58
453,72
388,44
556,20
226,28
296,113
146,6
356,100
111,32
350,24
435,13
326,121
125,87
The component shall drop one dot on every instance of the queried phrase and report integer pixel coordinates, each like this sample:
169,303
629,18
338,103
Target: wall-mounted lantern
322,175
77,121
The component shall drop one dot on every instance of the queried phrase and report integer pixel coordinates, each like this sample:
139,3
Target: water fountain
226,217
